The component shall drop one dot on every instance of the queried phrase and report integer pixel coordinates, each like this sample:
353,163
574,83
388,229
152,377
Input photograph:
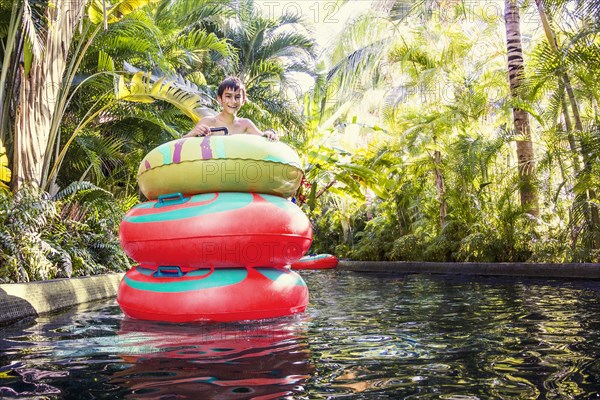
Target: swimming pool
364,336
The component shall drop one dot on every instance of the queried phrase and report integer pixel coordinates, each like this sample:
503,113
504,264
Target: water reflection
266,360
431,337
369,336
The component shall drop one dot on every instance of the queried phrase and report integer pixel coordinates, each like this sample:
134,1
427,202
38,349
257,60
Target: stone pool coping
529,270
22,300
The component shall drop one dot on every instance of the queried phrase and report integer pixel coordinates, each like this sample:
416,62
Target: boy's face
232,100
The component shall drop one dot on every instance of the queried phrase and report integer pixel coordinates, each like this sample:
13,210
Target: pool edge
533,270
22,300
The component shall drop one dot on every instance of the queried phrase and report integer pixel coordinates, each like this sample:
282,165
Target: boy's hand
199,130
271,135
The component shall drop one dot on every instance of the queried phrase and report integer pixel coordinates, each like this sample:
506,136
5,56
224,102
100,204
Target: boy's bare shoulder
210,121
247,124
244,121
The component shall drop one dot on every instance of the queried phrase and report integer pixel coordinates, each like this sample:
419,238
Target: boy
231,95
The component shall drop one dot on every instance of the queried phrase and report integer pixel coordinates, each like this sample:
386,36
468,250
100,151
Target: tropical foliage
409,130
70,234
269,54
448,170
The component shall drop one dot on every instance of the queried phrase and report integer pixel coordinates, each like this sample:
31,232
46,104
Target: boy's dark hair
232,82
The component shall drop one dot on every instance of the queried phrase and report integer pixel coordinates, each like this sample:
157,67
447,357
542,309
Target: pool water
363,336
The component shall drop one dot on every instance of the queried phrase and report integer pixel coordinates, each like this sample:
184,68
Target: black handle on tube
219,129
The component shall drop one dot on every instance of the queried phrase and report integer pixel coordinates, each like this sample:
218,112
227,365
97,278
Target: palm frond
129,38
357,58
586,9
199,42
192,13
286,44
5,16
114,12
105,62
32,30
141,89
81,189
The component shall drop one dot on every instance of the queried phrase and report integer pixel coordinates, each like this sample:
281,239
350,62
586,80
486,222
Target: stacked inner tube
217,233
316,261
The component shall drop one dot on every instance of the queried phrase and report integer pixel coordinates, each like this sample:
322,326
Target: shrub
74,233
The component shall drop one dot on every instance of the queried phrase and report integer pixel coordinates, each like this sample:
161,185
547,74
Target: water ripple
362,337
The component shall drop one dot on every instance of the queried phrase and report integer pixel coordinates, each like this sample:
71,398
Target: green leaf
142,90
105,62
27,57
5,174
359,170
121,91
350,183
139,88
114,12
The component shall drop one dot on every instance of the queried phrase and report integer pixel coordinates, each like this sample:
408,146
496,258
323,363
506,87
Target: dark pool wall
530,270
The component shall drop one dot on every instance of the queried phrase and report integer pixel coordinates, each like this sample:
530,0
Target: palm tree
356,63
525,155
40,61
563,63
111,106
170,39
270,53
40,87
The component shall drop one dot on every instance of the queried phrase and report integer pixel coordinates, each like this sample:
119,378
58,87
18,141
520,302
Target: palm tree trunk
440,187
8,70
525,154
39,92
569,129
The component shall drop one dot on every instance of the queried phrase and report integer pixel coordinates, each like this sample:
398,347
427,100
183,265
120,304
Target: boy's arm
202,128
253,130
